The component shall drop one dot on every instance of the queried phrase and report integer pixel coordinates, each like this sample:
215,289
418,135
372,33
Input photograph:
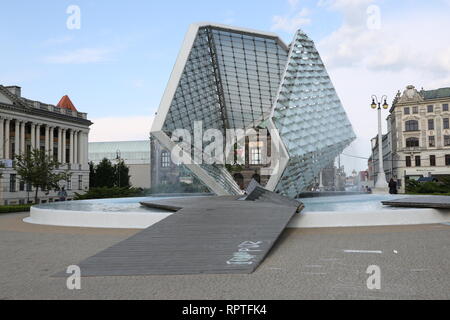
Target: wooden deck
437,202
214,235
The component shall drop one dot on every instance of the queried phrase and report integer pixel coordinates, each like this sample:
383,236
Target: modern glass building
233,78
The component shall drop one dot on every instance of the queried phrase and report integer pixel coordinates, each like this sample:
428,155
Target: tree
39,169
123,178
104,174
92,180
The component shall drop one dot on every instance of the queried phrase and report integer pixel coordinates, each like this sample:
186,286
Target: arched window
412,125
412,142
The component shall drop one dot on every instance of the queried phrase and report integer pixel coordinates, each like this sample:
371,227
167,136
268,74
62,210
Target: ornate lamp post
381,185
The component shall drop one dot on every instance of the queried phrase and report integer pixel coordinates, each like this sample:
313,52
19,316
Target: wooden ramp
214,235
437,202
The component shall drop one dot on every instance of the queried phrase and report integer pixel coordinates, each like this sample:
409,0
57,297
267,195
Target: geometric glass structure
309,117
234,78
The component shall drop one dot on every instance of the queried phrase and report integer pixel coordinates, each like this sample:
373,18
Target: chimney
15,90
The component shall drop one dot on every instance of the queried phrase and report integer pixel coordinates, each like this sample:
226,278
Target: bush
105,192
15,208
413,186
178,188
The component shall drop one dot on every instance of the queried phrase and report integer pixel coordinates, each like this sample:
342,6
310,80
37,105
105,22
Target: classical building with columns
60,130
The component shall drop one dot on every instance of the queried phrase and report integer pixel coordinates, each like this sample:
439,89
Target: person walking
62,194
392,186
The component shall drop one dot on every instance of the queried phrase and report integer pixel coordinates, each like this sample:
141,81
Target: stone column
2,137
23,149
75,147
86,149
71,151
16,137
33,136
51,141
63,156
46,144
81,149
59,145
7,123
38,136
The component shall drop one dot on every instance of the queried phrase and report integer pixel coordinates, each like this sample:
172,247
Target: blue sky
116,66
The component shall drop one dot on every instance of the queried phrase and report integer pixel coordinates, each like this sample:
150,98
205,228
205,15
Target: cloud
57,41
120,128
363,61
395,46
291,22
81,56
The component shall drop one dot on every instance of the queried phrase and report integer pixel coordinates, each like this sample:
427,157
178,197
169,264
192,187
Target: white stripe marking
363,251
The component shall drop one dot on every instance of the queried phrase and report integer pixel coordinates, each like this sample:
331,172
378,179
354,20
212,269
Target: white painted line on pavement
363,251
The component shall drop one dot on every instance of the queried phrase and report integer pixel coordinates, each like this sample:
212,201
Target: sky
115,60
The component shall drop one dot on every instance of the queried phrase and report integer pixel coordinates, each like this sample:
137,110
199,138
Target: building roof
66,103
132,152
436,94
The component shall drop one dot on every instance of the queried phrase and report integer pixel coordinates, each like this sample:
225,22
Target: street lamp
381,185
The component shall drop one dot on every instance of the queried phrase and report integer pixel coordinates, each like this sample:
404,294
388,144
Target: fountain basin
320,212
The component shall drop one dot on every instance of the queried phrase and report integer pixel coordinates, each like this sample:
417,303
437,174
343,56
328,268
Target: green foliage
413,186
39,169
122,172
113,192
105,174
178,188
15,208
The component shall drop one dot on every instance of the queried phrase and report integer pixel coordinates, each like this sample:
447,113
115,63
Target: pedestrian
392,186
62,194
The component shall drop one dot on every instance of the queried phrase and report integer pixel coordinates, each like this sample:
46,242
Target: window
430,124
408,161
80,182
412,125
446,123
431,141
447,159
445,107
255,154
69,183
430,108
417,161
21,186
446,141
415,110
412,142
12,183
432,160
406,110
165,159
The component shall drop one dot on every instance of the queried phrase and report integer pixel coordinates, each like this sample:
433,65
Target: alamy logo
374,280
374,17
74,20
74,280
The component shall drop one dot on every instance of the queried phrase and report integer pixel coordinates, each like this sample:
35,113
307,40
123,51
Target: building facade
420,126
228,78
60,130
135,154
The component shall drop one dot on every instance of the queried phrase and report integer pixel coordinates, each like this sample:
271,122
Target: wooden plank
208,235
437,202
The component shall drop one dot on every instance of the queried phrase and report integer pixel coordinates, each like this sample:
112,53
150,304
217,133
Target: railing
52,108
